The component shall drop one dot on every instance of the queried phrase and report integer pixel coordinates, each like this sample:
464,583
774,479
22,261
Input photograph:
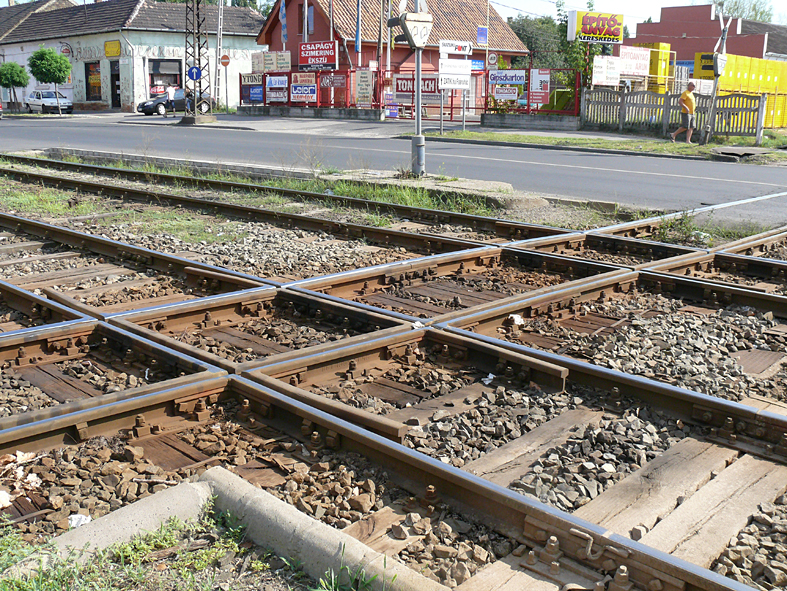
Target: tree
577,54
265,7
50,67
754,10
13,76
540,35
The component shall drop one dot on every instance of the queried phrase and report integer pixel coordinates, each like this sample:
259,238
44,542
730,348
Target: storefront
163,73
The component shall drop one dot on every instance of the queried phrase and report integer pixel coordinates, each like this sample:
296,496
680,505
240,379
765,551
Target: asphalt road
629,180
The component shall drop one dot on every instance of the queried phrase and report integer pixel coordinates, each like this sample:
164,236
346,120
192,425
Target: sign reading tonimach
404,88
320,55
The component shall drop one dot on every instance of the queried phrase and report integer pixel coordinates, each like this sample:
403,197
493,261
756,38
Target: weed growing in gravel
685,230
187,226
48,202
347,579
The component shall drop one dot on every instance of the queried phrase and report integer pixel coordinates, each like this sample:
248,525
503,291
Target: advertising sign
506,93
595,27
283,61
539,87
364,87
454,82
634,61
276,82
404,88
450,47
277,95
477,65
269,61
606,71
457,67
482,36
257,62
112,48
304,78
333,81
304,93
255,94
251,79
518,77
318,55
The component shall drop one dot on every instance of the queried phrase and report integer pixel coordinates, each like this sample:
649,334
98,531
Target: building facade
695,29
123,52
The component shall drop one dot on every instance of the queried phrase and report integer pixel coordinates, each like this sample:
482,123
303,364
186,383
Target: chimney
11,2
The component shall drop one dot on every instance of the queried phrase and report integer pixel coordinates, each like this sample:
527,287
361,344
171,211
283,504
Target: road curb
274,524
553,147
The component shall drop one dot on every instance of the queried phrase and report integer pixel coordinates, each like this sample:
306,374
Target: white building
122,52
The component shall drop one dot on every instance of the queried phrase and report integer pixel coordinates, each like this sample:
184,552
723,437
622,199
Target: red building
695,29
457,21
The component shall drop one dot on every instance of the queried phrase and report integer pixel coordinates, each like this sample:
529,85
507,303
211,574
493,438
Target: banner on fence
595,27
634,61
364,88
539,87
518,77
318,55
506,93
605,71
404,88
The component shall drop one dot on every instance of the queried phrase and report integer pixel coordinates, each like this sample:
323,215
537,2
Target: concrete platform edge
287,531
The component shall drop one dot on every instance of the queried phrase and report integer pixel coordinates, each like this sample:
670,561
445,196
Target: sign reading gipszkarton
518,77
595,27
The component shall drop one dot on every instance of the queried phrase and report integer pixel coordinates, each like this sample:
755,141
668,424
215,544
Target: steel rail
528,521
502,228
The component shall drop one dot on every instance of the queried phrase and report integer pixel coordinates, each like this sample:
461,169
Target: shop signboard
277,95
283,61
112,48
450,47
257,62
595,27
303,93
318,55
276,82
269,61
539,87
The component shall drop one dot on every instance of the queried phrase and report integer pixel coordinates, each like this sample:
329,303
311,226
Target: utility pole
418,151
198,66
719,62
219,53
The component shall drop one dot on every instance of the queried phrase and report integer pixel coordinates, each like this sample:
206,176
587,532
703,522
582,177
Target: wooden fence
736,114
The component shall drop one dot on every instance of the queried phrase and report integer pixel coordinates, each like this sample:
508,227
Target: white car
45,101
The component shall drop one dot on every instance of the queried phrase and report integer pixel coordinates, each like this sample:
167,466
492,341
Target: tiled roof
166,16
777,34
75,20
457,21
12,16
113,15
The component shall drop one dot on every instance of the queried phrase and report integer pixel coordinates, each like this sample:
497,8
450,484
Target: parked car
45,101
1,110
158,104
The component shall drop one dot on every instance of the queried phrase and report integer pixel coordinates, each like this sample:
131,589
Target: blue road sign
482,36
194,73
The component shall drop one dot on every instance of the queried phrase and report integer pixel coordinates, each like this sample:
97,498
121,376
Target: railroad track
585,410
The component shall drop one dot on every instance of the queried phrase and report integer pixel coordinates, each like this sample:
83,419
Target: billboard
318,55
304,93
634,61
595,27
539,86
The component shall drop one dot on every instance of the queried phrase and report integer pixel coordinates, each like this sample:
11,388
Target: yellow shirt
688,101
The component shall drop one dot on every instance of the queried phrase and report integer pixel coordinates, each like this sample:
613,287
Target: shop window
164,73
93,81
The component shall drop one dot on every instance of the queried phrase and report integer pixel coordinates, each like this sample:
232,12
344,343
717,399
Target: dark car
158,104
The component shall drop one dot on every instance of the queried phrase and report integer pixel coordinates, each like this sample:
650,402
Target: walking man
170,99
687,119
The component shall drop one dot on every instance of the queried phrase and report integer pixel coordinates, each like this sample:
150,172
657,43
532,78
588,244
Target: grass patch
48,202
395,194
773,139
685,230
184,225
177,556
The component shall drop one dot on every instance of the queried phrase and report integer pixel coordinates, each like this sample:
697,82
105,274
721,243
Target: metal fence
736,114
